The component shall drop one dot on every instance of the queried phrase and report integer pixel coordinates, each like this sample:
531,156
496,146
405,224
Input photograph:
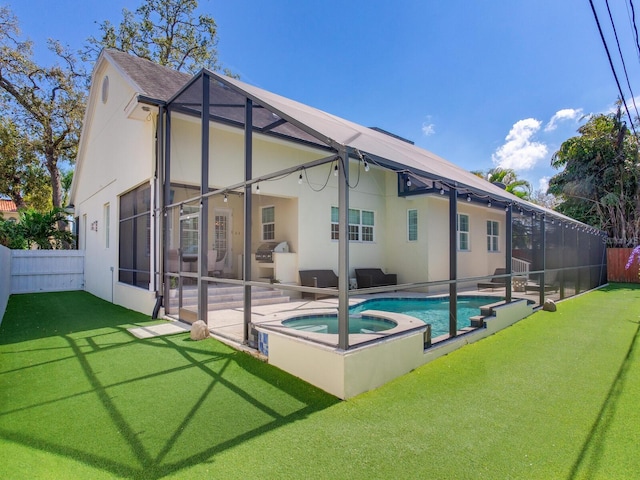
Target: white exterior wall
117,154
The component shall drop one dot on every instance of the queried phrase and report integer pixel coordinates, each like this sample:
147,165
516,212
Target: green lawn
553,397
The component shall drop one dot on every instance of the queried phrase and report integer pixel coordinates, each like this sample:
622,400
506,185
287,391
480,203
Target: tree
45,103
22,177
36,229
167,32
599,183
508,178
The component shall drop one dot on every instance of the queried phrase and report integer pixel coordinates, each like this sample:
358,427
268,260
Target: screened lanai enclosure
272,209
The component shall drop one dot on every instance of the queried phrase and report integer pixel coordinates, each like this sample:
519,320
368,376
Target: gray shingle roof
153,80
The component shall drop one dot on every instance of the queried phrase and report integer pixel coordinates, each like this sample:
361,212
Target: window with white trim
412,225
361,225
268,215
493,236
462,227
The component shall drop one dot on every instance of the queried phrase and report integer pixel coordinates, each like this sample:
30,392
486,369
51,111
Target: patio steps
233,297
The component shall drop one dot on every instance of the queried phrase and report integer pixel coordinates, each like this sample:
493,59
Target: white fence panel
46,270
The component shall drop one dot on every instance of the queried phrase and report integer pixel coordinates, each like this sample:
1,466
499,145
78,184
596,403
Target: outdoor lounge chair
550,284
499,282
318,279
374,277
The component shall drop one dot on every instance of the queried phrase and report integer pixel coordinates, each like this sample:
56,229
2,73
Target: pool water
329,324
430,310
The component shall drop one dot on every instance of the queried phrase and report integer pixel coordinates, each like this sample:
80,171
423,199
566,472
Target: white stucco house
182,180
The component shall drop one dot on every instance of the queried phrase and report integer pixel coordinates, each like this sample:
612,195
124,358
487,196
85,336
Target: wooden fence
616,261
46,270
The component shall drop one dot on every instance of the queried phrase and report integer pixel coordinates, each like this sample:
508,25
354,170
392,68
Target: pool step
477,321
487,310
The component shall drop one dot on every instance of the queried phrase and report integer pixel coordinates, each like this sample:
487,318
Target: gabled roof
8,206
150,79
285,117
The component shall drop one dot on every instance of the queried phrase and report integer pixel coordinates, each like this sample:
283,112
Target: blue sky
481,84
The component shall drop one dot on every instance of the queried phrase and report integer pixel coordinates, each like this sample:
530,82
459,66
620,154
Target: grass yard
553,397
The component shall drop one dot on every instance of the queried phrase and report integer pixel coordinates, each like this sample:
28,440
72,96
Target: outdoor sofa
374,277
318,279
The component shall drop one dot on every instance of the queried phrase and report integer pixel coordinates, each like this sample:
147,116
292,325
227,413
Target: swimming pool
433,310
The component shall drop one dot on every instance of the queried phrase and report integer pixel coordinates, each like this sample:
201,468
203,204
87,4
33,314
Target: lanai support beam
453,262
203,301
543,249
343,249
167,195
248,174
508,251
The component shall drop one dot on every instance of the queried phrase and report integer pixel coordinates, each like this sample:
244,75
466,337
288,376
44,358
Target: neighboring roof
8,206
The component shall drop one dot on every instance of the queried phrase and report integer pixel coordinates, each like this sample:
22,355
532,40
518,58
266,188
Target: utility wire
613,70
624,66
635,27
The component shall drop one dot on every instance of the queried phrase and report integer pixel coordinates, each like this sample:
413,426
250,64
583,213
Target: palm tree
507,178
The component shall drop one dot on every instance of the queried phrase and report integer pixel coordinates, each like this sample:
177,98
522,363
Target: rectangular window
493,236
268,223
107,219
463,232
135,242
412,225
361,225
334,224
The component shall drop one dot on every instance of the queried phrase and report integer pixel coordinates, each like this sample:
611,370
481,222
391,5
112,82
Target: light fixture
408,181
335,170
257,188
441,190
366,166
300,179
489,203
468,198
226,199
506,208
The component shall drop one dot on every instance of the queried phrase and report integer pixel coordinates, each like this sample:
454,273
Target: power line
624,66
635,27
613,70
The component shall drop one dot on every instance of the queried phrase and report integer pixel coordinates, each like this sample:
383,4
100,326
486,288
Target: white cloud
543,184
519,151
564,114
428,129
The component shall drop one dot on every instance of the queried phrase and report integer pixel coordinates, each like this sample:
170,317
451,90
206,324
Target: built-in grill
264,253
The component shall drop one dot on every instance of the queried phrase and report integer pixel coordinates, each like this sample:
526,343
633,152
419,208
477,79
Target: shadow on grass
591,454
135,408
